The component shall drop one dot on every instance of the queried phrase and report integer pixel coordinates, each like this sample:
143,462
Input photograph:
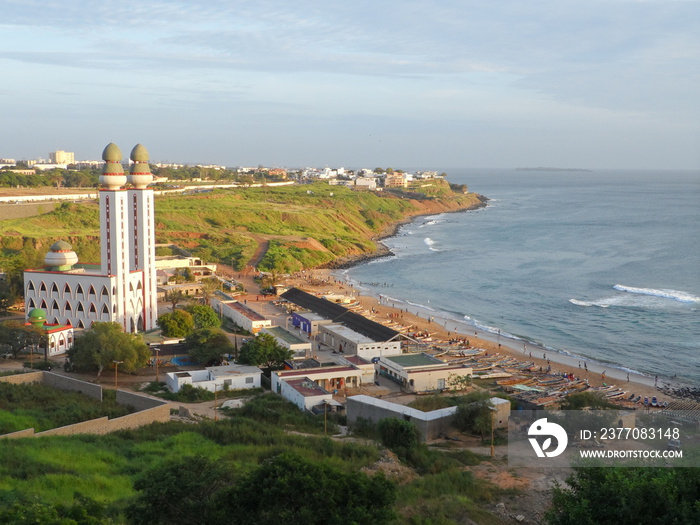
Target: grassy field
42,408
434,487
306,225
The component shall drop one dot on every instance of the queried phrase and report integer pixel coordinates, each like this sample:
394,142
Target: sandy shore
442,329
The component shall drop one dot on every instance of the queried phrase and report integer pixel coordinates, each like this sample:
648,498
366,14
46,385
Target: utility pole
116,374
157,350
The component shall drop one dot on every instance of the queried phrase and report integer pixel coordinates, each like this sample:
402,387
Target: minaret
142,250
113,211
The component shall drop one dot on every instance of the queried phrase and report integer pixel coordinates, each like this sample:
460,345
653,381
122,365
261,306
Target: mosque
122,288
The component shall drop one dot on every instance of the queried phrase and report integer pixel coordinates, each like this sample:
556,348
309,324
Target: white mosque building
122,288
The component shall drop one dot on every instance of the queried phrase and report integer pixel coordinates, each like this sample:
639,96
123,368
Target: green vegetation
626,496
42,408
305,225
196,394
112,472
178,323
106,345
264,351
207,346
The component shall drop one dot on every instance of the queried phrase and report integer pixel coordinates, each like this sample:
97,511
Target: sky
382,83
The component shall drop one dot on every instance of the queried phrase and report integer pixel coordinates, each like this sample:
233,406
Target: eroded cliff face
471,201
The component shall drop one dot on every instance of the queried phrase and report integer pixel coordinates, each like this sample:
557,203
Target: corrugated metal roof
339,314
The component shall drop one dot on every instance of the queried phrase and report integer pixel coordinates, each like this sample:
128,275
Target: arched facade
122,288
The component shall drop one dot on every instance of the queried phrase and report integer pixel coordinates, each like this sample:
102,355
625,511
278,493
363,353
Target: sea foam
430,244
676,295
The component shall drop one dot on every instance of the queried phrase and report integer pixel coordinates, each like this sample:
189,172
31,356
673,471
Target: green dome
61,246
112,153
139,153
37,314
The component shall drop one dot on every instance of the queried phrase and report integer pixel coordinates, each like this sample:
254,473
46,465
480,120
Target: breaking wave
430,244
676,295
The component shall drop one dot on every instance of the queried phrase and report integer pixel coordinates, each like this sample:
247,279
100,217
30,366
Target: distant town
61,169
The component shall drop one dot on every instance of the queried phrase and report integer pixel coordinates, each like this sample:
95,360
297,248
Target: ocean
602,265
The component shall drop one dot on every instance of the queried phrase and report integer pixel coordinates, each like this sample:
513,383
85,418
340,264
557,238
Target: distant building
420,372
288,340
347,341
309,396
62,157
240,314
233,377
395,180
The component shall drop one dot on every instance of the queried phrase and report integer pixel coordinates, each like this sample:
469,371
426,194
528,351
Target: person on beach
603,375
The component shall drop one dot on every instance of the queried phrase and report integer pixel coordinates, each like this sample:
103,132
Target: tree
174,297
289,489
15,337
8,296
208,345
264,351
204,316
474,414
397,433
176,324
623,495
178,492
209,286
105,343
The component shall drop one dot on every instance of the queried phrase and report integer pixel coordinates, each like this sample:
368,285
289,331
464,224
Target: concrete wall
75,385
150,410
429,424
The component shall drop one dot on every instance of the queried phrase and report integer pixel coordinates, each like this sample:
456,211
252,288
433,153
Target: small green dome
112,153
37,314
139,153
61,246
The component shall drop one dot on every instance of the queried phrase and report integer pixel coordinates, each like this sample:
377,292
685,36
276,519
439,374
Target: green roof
285,335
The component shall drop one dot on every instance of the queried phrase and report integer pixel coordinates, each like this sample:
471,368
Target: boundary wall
149,410
429,424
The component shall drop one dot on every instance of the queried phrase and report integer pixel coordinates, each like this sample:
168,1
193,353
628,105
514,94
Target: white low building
332,378
349,342
241,315
305,393
213,378
421,372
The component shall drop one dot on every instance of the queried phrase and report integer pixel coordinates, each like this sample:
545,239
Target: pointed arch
30,286
141,324
42,287
67,289
138,286
80,308
91,291
80,323
131,287
68,308
54,288
54,306
43,305
79,291
31,305
92,309
132,328
105,292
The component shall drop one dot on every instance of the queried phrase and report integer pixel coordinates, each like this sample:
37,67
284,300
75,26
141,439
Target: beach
420,320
